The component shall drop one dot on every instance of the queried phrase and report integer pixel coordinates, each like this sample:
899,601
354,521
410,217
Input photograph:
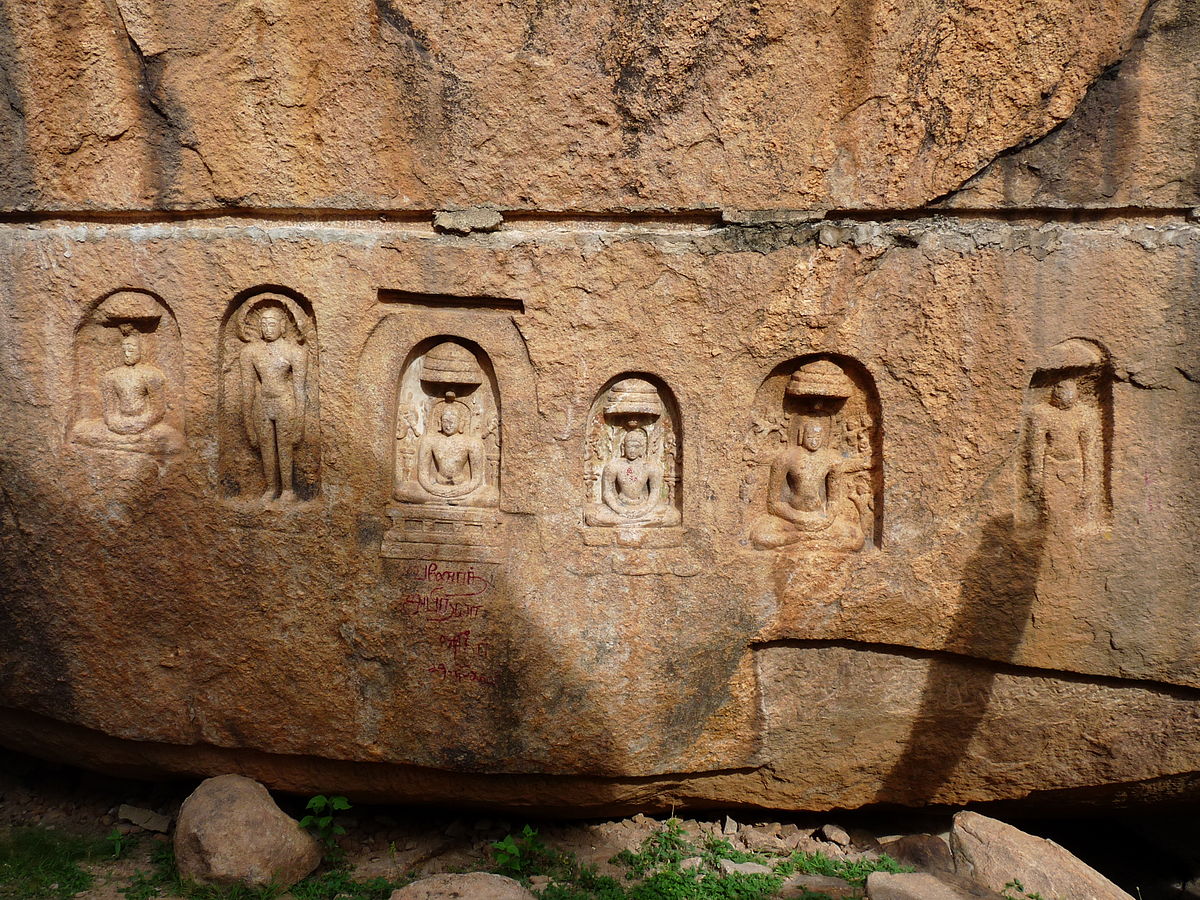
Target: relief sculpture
132,405
822,488
269,386
1066,448
274,369
632,464
447,457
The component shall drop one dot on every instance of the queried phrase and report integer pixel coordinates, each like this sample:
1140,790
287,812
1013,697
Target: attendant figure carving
134,405
274,375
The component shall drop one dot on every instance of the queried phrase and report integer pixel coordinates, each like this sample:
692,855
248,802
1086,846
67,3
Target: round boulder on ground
471,886
230,832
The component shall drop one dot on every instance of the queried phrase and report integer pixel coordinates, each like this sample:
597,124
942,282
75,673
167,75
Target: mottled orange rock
632,478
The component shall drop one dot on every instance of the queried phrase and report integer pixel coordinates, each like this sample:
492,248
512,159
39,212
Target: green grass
337,883
854,872
43,864
654,872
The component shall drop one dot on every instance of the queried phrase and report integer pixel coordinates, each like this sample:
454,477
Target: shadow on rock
999,585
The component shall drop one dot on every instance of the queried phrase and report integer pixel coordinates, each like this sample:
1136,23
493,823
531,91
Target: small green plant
1014,890
319,820
519,856
664,849
717,849
118,844
855,872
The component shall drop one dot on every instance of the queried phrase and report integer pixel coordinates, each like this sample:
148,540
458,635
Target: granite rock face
402,396
995,853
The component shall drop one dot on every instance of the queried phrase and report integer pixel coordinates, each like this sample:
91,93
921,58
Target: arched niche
1067,436
269,418
815,452
633,463
447,426
446,452
129,377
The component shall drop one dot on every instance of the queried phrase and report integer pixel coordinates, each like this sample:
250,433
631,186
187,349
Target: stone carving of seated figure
631,488
451,464
134,407
805,500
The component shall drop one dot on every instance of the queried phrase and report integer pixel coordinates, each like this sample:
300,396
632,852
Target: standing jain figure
1065,457
274,371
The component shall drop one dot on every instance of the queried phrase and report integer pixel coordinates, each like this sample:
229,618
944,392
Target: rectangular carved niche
446,453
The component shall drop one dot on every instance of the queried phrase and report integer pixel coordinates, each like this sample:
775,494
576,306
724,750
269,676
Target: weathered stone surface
402,104
230,832
803,885
680,486
994,853
729,867
144,818
610,660
835,834
464,221
925,852
922,886
1130,143
469,886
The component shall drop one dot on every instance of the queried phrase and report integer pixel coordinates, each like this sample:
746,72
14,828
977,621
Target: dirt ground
1151,853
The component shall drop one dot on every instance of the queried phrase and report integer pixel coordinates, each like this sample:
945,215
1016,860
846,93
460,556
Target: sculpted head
633,445
452,419
813,437
1065,393
131,350
270,323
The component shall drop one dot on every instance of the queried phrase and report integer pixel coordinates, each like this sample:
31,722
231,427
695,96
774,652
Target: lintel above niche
452,301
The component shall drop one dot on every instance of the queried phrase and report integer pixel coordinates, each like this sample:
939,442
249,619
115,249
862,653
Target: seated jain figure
134,407
451,463
631,488
806,500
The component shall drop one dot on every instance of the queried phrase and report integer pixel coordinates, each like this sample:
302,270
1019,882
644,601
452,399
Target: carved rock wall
627,500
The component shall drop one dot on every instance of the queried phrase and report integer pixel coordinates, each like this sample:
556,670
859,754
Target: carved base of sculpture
419,529
837,528
661,516
159,438
485,495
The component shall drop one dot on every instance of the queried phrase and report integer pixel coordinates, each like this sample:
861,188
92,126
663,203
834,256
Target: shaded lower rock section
845,726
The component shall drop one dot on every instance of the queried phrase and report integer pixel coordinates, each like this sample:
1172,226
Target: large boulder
994,853
763,478
470,886
230,832
923,886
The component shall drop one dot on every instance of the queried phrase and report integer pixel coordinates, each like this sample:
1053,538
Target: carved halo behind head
249,313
